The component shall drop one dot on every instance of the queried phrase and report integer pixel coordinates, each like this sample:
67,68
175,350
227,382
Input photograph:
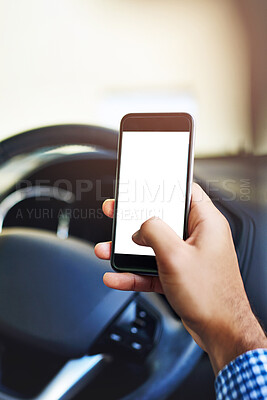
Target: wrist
232,340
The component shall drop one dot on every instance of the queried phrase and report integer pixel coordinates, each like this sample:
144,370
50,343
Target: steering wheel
52,298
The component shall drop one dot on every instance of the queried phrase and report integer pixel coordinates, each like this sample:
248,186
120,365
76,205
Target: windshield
94,61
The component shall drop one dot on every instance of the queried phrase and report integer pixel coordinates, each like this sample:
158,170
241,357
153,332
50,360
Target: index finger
203,213
108,207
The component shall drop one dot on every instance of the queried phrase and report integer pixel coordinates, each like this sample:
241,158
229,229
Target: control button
140,322
115,337
142,314
134,329
136,346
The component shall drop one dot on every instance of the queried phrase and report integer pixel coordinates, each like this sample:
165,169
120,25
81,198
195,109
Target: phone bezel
143,264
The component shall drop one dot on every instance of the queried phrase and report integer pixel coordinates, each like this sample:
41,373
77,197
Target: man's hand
200,278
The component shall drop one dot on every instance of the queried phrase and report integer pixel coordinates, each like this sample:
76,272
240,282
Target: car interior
70,71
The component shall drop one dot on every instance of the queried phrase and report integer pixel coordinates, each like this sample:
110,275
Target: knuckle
225,222
152,284
195,186
134,283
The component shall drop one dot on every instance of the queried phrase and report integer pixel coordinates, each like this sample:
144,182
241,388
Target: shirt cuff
244,378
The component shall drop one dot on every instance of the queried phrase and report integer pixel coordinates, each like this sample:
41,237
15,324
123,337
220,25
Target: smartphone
153,178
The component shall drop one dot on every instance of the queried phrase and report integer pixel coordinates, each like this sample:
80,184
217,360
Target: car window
91,62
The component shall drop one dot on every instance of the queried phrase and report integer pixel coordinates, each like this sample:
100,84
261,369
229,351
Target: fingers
103,250
199,197
108,207
161,237
202,209
204,217
132,282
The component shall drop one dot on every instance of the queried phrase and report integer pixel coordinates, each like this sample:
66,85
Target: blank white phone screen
152,182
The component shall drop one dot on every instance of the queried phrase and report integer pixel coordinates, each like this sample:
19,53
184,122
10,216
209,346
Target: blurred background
91,62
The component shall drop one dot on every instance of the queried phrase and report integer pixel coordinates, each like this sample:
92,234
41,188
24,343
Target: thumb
161,237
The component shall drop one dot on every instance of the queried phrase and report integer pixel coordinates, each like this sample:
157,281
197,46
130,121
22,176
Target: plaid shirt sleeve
245,378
